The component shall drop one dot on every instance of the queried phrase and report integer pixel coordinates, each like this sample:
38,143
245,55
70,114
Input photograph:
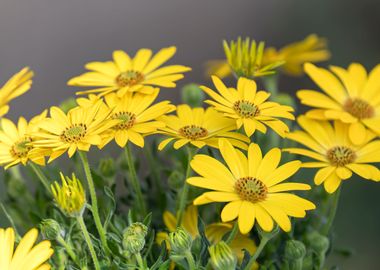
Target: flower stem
94,200
185,190
233,233
69,249
259,249
190,260
40,174
88,241
135,182
140,261
333,209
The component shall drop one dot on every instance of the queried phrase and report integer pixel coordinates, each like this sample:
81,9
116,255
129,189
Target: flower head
252,187
350,96
245,58
134,237
333,152
249,107
26,256
222,257
312,49
79,129
70,196
16,142
126,74
50,229
199,127
135,117
14,87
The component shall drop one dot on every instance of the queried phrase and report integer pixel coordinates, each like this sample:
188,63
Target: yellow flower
311,49
333,152
125,74
14,87
26,256
246,58
135,117
70,196
214,232
248,107
15,142
251,186
219,68
78,129
199,127
350,96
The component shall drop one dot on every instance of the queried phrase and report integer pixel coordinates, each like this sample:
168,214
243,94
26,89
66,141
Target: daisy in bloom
251,186
126,74
249,107
25,256
214,232
351,96
77,130
199,127
135,116
311,49
15,142
333,153
14,87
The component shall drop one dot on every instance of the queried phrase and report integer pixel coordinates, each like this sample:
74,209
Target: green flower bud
180,241
107,167
192,95
222,257
138,229
319,243
294,250
175,180
68,104
134,238
50,229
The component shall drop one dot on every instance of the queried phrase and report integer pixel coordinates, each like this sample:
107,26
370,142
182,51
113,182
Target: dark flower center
246,109
129,78
359,108
193,132
75,133
340,155
251,189
21,148
127,120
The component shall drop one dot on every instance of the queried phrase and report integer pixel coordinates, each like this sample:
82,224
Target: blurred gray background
56,38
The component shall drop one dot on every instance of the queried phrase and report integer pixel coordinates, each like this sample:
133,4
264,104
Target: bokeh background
56,38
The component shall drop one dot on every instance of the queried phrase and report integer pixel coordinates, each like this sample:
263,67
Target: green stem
190,260
233,233
185,190
154,168
88,241
40,174
259,249
140,261
94,200
140,202
69,249
271,85
333,210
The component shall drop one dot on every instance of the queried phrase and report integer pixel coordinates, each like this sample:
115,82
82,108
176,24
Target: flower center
74,133
359,108
251,189
246,109
340,155
129,78
193,132
127,120
21,148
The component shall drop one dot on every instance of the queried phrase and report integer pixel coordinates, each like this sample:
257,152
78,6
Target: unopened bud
222,257
294,250
50,229
319,243
192,95
180,241
134,238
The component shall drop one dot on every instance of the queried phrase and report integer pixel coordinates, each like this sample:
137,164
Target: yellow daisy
350,96
135,117
311,49
15,142
333,152
14,87
214,232
126,74
26,256
249,107
252,187
199,127
78,129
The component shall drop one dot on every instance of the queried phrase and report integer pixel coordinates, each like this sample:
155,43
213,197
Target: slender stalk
88,241
40,174
140,261
271,84
140,202
233,233
154,168
185,190
259,249
94,200
333,209
190,260
69,249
